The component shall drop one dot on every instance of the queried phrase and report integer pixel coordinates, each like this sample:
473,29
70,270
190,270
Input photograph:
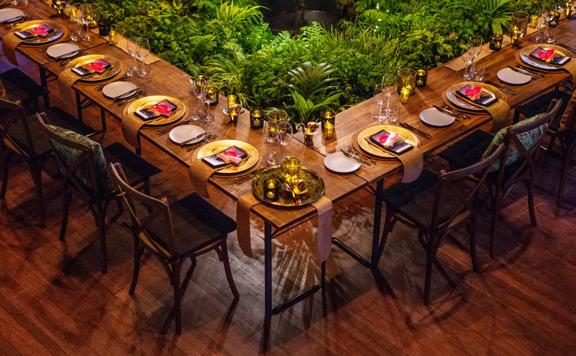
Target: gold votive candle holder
515,36
272,189
421,78
308,130
496,42
256,119
290,168
568,9
555,18
404,95
234,112
519,26
406,79
232,99
212,96
328,122
533,21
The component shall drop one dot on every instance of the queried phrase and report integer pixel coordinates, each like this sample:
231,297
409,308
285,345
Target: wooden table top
166,79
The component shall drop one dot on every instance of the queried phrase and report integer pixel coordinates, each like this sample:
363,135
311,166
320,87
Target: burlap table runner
323,235
9,44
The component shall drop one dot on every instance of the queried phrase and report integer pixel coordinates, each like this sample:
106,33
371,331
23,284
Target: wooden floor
522,302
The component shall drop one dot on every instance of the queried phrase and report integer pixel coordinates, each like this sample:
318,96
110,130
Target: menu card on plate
477,94
391,141
233,155
99,66
164,108
35,32
549,55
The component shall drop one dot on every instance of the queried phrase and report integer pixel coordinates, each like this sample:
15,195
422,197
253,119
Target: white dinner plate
339,163
454,99
510,76
434,117
118,89
10,15
63,50
184,133
535,64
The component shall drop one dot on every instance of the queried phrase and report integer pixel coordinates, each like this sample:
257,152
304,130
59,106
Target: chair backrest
464,199
567,121
157,211
15,128
81,161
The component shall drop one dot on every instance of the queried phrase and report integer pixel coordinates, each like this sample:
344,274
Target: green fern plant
312,80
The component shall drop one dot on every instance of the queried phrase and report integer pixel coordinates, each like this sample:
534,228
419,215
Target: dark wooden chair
435,204
521,143
21,135
562,129
22,88
174,233
83,165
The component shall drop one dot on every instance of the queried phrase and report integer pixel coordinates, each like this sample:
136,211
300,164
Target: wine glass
88,15
468,60
475,46
284,131
142,52
541,25
380,99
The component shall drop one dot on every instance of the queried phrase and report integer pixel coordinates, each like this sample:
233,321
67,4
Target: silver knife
126,95
192,139
448,112
501,88
527,72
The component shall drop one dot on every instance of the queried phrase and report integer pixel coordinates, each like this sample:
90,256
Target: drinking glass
88,16
479,73
142,53
468,60
475,46
284,133
380,99
541,27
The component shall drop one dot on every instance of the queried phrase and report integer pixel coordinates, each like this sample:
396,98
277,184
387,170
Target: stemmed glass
277,131
473,51
141,52
380,99
88,16
541,26
200,87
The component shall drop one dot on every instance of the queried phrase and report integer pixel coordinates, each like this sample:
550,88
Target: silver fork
366,160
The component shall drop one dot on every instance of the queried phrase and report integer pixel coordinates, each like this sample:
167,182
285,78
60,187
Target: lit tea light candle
516,32
405,94
421,78
256,119
328,121
496,42
291,168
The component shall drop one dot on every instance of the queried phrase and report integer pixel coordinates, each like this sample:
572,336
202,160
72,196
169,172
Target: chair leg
430,255
100,217
5,168
65,210
495,211
36,172
136,270
530,187
228,270
563,172
176,266
472,232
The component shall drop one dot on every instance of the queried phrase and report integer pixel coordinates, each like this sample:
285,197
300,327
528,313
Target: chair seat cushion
468,150
196,224
540,104
20,86
137,169
414,201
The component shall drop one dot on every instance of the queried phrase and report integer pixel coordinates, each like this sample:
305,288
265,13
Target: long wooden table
168,80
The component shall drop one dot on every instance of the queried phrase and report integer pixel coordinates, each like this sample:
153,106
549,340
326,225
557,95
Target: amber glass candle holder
519,27
406,83
421,78
290,168
256,119
328,122
496,42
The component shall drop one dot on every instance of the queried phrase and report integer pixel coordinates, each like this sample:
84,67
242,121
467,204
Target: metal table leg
44,85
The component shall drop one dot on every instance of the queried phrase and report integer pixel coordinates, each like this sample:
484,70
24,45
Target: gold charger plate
219,146
408,136
117,67
460,102
151,100
60,31
551,67
314,183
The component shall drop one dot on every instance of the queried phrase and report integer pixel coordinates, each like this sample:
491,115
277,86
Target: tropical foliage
315,67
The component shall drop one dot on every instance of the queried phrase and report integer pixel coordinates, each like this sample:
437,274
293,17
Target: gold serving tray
151,100
219,146
60,31
408,136
477,107
314,183
529,49
117,67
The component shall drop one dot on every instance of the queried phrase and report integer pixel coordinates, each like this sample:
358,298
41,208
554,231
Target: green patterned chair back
81,161
521,142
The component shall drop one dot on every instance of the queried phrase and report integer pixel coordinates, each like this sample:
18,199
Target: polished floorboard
54,300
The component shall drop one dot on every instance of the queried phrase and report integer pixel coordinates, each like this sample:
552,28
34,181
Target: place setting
390,142
479,97
10,16
547,58
151,111
32,33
